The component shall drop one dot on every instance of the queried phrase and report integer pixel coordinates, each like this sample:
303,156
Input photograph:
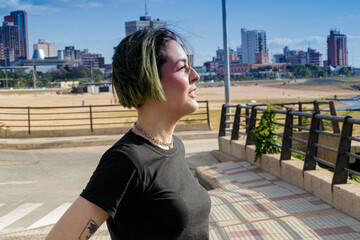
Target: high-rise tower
337,49
19,18
252,43
144,22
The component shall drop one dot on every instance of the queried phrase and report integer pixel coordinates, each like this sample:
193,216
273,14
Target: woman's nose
194,76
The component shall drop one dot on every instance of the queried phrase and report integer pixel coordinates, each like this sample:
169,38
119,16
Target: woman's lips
192,93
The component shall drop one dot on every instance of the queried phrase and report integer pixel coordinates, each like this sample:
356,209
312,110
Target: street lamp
226,51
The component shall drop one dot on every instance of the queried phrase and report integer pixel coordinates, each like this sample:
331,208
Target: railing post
236,124
342,160
317,110
222,121
286,141
251,125
247,120
311,149
207,111
91,119
29,130
300,117
335,124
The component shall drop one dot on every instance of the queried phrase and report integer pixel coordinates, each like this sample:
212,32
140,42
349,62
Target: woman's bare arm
80,221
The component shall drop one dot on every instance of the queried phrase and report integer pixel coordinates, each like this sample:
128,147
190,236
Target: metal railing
243,124
91,116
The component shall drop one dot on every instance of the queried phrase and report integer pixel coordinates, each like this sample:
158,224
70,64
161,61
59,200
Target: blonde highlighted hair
137,63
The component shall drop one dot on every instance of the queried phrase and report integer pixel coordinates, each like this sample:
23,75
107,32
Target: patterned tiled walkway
253,204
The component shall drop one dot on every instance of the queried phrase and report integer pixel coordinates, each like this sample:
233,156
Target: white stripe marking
17,182
52,217
2,204
17,213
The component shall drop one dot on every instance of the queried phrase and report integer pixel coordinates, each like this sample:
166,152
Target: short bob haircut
137,63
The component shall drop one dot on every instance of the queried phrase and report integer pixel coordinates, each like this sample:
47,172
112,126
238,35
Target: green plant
189,121
298,156
263,136
3,127
354,178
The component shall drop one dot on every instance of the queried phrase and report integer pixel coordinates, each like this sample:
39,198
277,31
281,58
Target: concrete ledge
292,172
318,182
344,197
81,141
96,131
205,178
223,157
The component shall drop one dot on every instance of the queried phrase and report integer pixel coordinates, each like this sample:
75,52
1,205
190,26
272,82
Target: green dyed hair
136,65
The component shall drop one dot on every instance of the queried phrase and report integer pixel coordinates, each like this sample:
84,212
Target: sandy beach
215,95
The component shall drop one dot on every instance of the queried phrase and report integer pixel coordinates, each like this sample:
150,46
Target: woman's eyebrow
182,60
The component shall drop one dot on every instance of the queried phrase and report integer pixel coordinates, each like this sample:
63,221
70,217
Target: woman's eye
183,67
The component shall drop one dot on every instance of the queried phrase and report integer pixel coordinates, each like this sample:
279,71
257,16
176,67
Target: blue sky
100,25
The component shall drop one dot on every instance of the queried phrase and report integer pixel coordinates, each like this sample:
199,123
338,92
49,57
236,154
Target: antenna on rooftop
146,12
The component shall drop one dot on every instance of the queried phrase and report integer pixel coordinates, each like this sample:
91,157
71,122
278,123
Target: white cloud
297,41
351,17
352,37
29,8
87,5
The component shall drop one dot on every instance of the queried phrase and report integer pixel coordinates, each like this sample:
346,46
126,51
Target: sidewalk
247,203
81,141
253,204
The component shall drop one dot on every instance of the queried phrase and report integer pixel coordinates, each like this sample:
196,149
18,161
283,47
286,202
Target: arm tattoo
89,230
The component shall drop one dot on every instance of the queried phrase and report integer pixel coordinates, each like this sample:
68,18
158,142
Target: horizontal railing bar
329,117
327,133
352,155
354,120
276,145
296,151
24,113
35,126
319,160
280,124
300,127
298,140
352,171
354,138
325,147
279,134
194,119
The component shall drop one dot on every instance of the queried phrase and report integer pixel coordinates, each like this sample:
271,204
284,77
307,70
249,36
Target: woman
142,186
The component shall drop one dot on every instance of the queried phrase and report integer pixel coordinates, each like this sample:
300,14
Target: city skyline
99,27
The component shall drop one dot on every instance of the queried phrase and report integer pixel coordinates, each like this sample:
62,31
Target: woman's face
178,81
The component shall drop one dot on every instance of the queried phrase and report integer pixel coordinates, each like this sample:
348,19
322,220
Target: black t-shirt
149,192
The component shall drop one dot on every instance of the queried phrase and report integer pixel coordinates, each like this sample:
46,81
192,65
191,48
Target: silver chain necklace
155,140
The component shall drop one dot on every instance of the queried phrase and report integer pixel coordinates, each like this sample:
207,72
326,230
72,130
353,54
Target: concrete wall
344,197
87,132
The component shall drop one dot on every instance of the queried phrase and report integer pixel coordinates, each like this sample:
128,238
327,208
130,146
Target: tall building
9,40
92,60
314,57
299,57
336,49
19,18
144,22
253,42
48,48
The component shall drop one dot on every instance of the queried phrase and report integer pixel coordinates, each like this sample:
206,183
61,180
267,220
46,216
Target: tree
80,72
2,74
344,71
